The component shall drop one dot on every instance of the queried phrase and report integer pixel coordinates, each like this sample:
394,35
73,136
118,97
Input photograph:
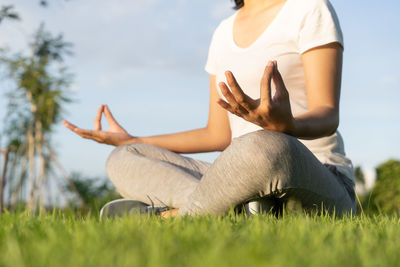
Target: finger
85,132
97,120
224,104
92,135
110,118
232,110
229,108
98,136
227,93
69,125
236,108
265,94
277,78
74,128
240,97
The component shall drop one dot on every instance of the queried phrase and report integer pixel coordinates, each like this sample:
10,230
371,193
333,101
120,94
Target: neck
252,6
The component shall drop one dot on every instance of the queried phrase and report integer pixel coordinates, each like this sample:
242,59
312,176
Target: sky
145,59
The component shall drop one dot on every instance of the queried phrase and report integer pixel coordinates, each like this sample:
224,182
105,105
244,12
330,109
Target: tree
95,192
41,81
360,178
7,12
386,192
3,177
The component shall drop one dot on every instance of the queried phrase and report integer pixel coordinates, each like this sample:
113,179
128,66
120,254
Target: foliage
294,240
95,192
385,195
7,12
45,3
359,175
40,81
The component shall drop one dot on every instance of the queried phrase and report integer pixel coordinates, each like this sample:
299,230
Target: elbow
333,126
330,120
224,144
219,140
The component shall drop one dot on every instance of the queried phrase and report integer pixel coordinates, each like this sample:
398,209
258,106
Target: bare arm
323,68
215,136
323,72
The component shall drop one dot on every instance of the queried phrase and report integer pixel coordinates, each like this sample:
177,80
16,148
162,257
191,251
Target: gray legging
261,165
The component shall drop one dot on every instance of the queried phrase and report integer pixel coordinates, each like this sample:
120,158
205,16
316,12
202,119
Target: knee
268,157
126,157
265,146
117,160
114,160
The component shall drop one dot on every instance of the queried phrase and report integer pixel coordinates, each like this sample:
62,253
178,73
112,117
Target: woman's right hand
115,135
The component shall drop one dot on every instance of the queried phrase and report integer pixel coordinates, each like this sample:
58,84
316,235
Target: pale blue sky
145,59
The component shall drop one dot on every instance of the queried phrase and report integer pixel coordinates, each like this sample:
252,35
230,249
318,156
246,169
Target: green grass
294,240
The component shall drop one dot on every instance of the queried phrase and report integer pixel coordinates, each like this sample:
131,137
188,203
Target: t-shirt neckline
261,36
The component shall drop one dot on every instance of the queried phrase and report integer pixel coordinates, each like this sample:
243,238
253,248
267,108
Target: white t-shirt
299,26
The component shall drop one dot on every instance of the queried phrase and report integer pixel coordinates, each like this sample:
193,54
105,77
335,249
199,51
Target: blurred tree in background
360,177
95,192
385,196
7,12
41,83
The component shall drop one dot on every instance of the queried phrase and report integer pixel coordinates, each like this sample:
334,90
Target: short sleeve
211,65
320,26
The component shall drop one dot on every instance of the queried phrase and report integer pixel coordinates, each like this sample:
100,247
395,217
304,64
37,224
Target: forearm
193,141
320,122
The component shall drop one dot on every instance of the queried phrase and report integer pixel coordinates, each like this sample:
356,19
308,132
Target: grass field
293,240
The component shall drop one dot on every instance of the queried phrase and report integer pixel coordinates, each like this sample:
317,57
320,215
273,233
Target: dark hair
238,4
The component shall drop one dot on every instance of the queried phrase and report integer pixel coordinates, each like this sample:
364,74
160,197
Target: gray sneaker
126,207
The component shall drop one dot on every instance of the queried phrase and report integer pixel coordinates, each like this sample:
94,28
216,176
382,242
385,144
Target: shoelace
155,210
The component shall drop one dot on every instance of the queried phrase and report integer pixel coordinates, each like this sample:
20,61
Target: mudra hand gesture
271,113
115,135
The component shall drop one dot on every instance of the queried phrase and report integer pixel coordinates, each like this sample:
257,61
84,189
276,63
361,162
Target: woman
276,127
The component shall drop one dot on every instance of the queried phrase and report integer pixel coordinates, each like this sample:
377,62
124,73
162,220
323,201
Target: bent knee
124,155
265,145
114,159
117,160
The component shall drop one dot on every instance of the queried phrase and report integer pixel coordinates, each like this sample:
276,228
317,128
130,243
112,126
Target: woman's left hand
270,113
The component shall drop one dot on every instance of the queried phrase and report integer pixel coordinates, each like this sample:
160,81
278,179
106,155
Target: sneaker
126,207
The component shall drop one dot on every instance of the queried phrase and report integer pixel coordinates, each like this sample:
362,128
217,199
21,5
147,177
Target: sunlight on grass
294,240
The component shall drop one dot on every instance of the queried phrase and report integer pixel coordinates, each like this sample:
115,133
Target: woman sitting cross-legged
275,77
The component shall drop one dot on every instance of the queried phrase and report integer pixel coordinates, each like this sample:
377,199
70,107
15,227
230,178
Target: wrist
138,140
130,139
293,128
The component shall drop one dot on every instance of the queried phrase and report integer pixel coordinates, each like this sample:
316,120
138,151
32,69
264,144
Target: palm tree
3,177
41,81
